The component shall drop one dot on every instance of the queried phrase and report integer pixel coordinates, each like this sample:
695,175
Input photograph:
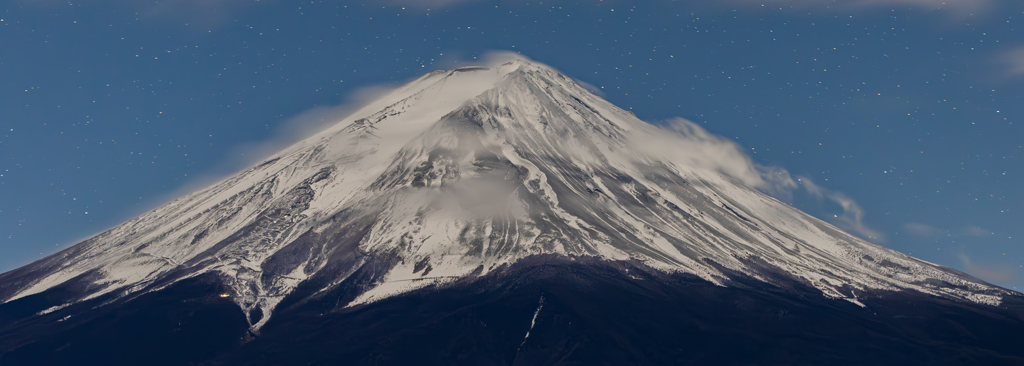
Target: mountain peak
527,65
465,172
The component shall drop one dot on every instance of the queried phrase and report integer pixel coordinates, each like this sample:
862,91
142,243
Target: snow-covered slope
460,173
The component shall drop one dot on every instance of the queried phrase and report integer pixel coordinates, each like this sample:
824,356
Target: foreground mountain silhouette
497,215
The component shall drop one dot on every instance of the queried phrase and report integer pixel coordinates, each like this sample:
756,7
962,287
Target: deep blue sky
910,108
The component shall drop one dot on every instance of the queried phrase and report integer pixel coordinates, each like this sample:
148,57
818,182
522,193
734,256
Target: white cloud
922,230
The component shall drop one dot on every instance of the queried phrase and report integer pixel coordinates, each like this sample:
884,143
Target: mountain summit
470,182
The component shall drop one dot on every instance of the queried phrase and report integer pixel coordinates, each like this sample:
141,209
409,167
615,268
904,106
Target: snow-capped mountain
462,173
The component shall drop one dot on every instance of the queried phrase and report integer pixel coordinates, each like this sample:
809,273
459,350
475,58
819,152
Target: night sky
903,119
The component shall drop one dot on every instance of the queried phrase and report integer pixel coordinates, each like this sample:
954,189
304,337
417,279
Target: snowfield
464,172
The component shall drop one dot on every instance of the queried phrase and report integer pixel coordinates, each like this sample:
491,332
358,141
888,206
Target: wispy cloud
427,3
687,144
961,6
954,8
203,13
923,231
778,182
852,218
975,231
214,11
314,121
590,87
1012,61
1001,273
692,145
286,133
